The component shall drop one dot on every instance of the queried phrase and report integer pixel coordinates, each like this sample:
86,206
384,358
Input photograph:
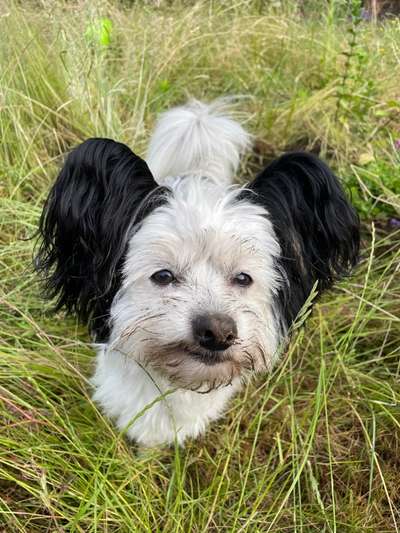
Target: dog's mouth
197,353
192,367
208,357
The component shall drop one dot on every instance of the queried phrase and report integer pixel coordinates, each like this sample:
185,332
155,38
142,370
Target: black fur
102,188
317,228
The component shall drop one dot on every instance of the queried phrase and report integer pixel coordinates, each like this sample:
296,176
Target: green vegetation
316,445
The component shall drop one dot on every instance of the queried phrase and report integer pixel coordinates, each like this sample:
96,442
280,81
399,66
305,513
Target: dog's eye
163,277
242,279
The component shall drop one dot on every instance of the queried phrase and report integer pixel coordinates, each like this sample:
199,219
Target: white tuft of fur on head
197,139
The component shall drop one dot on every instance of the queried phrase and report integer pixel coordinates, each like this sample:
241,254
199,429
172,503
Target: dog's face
197,297
197,281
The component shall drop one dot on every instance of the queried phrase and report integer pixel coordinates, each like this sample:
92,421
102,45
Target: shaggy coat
188,283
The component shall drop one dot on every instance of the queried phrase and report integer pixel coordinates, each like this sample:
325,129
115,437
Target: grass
315,446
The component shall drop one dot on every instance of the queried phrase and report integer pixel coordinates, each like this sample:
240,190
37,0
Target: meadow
312,447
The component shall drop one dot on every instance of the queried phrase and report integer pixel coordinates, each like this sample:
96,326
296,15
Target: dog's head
198,281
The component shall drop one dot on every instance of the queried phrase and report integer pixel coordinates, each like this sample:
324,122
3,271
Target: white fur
205,235
197,140
125,391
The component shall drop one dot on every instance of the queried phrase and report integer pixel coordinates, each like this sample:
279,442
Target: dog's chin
196,369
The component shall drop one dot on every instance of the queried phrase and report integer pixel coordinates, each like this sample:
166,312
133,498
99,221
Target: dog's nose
215,331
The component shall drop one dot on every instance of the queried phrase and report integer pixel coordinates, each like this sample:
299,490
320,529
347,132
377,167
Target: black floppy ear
317,228
102,189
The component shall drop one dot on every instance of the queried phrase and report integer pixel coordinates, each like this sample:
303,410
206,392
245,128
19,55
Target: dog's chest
146,408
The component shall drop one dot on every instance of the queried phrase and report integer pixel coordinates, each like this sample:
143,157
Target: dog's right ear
317,228
102,191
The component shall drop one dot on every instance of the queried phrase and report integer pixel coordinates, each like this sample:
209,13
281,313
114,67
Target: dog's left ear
102,192
317,228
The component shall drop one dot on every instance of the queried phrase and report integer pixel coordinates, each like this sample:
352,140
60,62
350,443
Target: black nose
215,331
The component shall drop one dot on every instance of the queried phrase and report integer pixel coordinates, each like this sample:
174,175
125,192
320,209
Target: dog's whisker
173,364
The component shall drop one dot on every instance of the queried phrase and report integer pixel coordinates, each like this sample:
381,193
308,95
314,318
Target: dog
188,283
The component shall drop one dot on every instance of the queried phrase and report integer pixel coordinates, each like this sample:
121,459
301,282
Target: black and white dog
187,282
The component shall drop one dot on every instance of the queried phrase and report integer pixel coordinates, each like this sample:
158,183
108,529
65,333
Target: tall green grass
315,446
